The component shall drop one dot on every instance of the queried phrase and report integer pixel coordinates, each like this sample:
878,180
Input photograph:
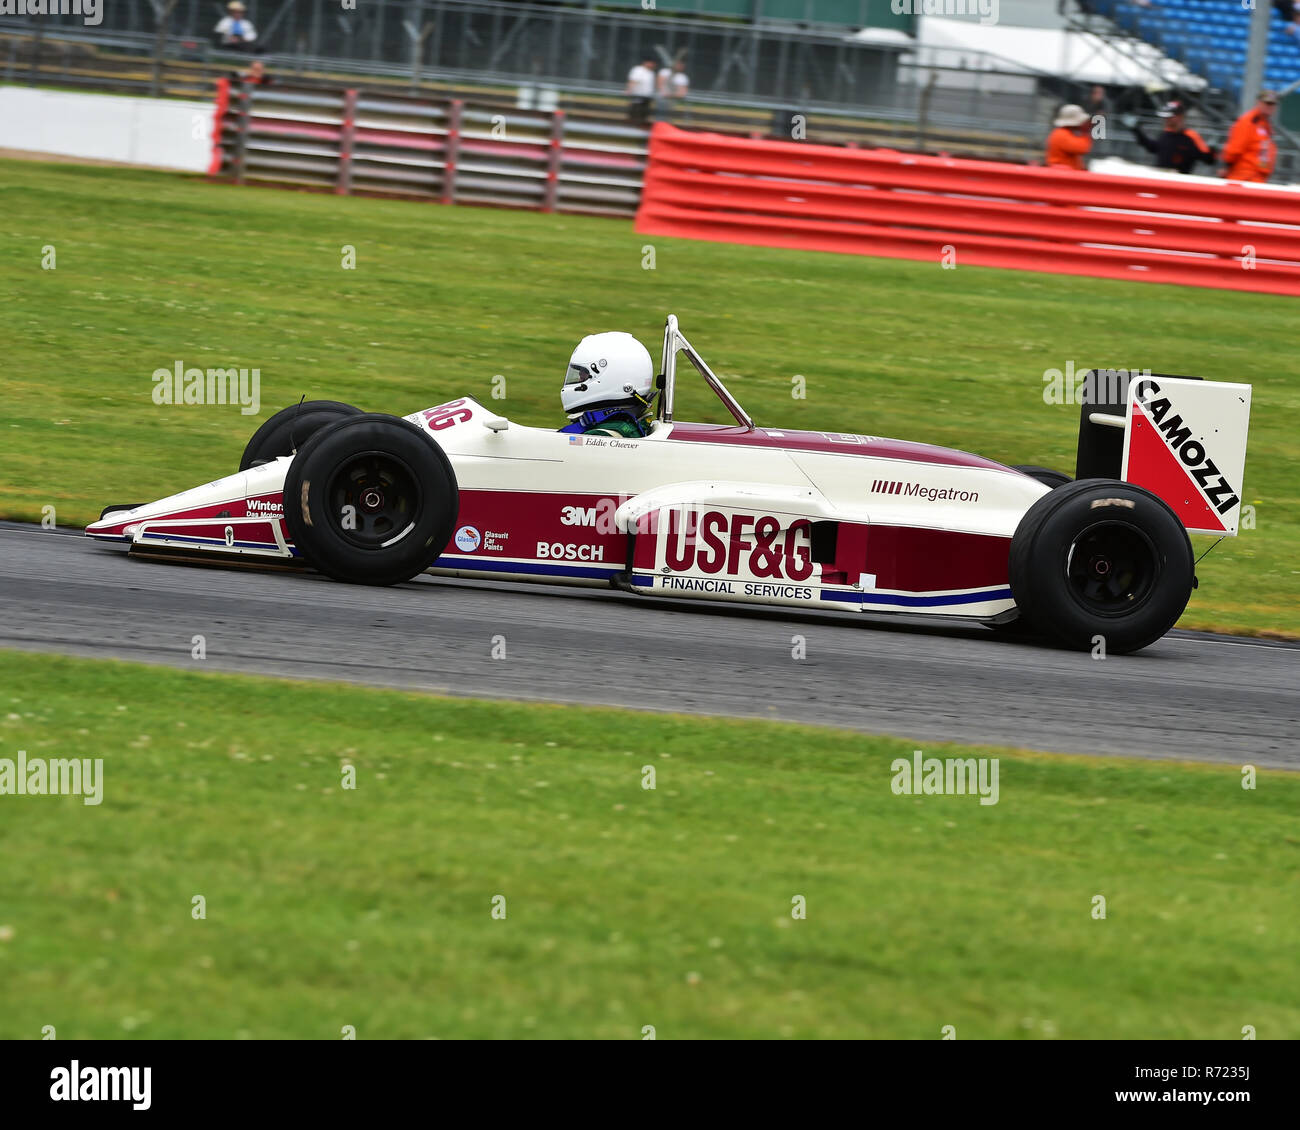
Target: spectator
1249,153
234,32
252,75
1289,10
1096,104
641,83
1176,147
1071,139
674,82
673,86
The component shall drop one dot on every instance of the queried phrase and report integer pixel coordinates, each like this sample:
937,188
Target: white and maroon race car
736,512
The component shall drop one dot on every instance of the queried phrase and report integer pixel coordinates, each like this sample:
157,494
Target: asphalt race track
1189,696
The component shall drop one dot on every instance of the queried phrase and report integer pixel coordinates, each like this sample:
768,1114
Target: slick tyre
286,431
370,500
1044,475
1101,558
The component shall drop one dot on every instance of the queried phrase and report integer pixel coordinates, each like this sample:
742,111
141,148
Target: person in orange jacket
1071,140
1250,153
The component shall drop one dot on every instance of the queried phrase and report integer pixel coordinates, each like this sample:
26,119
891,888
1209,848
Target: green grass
155,268
625,907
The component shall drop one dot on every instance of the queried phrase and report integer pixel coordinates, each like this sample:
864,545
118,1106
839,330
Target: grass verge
625,907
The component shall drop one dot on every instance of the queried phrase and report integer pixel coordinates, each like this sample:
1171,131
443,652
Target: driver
608,387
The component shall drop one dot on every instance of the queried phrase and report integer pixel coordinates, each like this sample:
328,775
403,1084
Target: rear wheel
1101,558
1044,475
290,428
371,500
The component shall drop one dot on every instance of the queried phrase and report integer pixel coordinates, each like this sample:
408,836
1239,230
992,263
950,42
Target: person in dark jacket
1175,147
1289,10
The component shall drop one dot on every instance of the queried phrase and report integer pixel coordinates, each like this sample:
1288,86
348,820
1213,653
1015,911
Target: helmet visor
577,374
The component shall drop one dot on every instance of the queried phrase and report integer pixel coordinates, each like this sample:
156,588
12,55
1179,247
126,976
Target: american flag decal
886,486
575,441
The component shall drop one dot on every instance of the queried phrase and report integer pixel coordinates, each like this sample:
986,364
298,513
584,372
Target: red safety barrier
905,206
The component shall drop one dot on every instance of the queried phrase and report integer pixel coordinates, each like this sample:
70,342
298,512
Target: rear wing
1181,438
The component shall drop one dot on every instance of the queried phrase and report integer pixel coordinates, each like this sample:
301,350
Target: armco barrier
350,141
880,202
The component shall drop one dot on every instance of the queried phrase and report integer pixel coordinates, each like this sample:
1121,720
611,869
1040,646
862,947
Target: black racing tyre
370,500
1044,475
1100,557
290,428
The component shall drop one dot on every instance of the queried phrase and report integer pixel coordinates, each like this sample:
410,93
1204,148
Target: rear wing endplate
1182,438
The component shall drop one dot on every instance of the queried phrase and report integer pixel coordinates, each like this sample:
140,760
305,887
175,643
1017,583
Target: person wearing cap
235,32
1071,139
1250,153
1176,147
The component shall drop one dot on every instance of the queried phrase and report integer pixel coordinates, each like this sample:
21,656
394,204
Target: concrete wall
157,132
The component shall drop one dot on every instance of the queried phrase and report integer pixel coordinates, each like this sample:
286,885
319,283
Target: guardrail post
555,159
245,102
451,152
219,126
344,185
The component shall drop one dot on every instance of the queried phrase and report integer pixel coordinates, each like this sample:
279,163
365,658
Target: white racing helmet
609,370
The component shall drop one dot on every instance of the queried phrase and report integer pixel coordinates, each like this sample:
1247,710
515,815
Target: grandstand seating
1209,37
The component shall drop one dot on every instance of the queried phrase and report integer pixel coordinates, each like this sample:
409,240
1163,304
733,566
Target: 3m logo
578,516
886,486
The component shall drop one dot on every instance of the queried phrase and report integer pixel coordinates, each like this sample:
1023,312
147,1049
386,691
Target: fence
514,40
350,141
791,194
968,123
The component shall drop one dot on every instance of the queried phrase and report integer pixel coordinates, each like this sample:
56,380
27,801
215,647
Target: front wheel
370,500
292,427
1100,558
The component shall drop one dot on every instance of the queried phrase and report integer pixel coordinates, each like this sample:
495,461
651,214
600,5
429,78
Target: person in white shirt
641,84
673,81
235,32
673,87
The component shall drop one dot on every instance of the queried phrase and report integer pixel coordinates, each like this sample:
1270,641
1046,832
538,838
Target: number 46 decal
447,415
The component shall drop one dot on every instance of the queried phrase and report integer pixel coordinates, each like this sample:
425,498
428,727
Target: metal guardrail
123,66
359,142
1003,127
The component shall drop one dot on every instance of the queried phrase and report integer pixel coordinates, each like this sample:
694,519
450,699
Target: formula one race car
740,513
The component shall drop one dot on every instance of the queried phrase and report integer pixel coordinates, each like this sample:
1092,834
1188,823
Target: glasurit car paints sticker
1186,442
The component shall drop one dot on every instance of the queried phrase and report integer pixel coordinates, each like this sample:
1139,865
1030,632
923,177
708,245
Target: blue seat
1209,36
